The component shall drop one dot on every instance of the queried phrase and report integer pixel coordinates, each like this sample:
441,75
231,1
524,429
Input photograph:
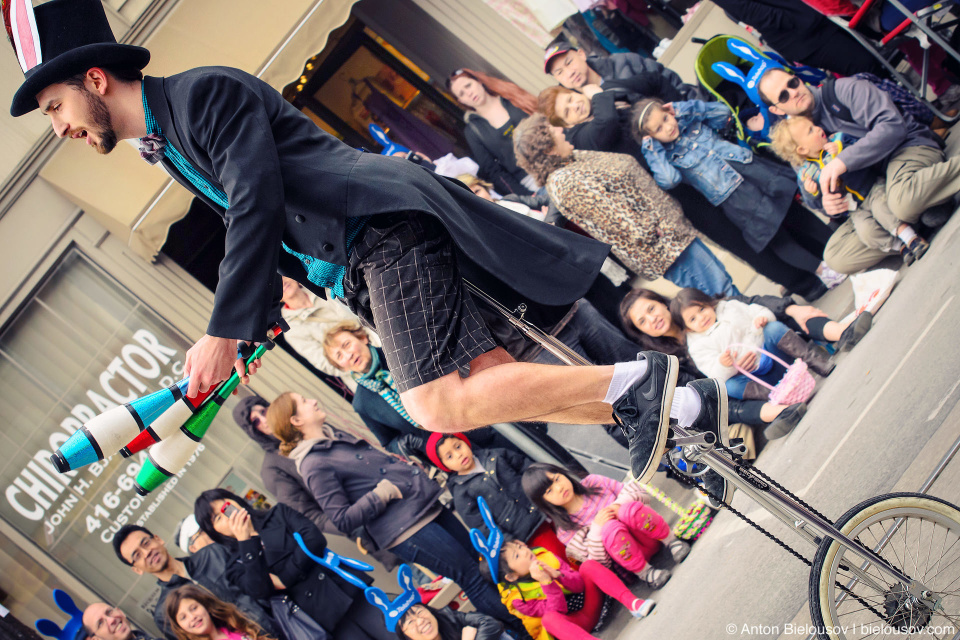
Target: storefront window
81,345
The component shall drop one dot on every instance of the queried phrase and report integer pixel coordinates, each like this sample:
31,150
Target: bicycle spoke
889,546
957,557
942,548
951,583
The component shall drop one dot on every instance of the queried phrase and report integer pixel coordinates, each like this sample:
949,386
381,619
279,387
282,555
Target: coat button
309,594
249,556
383,471
359,456
299,218
327,247
416,472
321,576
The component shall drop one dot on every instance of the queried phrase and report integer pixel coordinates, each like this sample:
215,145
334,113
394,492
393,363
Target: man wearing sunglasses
918,176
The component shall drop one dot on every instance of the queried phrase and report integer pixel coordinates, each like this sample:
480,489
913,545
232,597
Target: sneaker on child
642,608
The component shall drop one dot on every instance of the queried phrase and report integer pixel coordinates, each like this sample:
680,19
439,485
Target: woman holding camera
267,561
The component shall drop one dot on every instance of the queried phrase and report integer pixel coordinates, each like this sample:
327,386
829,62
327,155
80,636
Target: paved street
881,422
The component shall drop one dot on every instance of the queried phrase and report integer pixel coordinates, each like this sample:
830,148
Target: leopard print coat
613,199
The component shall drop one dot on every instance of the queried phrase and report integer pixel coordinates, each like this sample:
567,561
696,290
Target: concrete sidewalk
880,423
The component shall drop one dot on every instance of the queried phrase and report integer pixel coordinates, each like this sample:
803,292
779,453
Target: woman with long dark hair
494,108
646,319
420,622
600,519
268,561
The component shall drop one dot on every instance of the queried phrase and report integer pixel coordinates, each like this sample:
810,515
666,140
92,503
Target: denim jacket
699,155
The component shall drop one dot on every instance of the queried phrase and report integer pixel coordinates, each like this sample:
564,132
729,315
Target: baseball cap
187,529
553,51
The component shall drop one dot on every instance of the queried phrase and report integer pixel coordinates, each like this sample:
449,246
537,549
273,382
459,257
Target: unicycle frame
808,525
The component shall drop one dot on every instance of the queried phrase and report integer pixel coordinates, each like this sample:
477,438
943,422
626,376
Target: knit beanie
434,441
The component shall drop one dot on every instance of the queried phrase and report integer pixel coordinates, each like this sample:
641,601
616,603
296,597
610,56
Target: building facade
93,314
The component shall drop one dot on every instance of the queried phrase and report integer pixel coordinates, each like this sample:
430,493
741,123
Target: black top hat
67,37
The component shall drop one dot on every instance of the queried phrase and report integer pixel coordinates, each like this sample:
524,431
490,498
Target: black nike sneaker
643,413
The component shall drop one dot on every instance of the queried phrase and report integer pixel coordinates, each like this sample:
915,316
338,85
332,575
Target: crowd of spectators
623,150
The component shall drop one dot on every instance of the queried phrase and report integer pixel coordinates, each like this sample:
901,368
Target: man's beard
102,122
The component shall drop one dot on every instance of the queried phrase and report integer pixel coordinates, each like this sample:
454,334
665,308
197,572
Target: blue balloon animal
389,146
488,547
69,630
393,610
335,562
762,62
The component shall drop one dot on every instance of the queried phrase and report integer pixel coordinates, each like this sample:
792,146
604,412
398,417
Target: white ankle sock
685,407
625,374
907,235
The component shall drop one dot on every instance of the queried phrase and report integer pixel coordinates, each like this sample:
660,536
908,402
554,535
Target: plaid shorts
403,282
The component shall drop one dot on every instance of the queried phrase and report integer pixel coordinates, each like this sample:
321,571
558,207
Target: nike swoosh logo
649,389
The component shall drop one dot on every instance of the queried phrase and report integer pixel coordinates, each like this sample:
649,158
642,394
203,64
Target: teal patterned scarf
379,380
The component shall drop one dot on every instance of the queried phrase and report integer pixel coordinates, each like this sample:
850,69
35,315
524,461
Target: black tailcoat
288,180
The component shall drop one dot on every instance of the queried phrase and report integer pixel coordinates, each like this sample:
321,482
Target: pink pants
598,580
634,536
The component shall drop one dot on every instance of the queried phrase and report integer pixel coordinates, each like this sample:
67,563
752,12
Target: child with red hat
494,474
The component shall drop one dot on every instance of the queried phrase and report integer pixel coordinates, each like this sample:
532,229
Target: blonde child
600,519
716,328
550,596
681,143
808,149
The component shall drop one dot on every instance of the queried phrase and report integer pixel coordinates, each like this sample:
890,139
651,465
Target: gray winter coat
882,129
341,474
500,486
279,474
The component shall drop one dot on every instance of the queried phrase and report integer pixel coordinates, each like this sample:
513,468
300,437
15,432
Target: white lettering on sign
38,487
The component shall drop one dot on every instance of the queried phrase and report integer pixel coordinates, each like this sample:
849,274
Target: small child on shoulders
808,149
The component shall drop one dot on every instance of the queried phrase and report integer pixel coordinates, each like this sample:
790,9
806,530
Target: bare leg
584,414
502,390
833,329
770,411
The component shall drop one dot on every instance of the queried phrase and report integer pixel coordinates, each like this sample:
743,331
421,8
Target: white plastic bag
871,289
